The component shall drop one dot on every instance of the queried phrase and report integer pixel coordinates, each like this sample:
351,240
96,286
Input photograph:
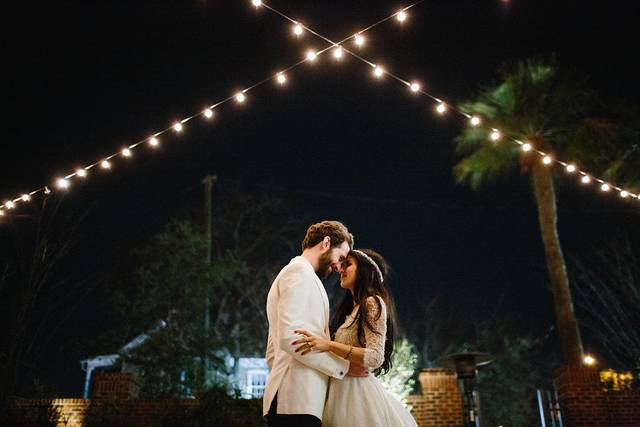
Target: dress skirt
363,402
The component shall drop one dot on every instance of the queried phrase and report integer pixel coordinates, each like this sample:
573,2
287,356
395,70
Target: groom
295,392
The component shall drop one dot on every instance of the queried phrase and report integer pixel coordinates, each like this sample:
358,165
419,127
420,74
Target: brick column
440,403
586,401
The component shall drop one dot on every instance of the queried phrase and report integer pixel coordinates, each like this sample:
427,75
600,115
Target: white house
250,377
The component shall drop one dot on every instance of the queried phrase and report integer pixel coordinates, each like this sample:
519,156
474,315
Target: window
256,381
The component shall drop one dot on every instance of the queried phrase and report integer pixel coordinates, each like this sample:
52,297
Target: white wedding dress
363,401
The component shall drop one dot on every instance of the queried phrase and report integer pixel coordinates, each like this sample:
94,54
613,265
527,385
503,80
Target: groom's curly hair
335,230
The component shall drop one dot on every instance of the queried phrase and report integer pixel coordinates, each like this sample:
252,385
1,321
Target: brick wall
439,404
68,412
585,401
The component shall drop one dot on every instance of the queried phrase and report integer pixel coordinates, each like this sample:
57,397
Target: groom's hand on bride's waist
357,370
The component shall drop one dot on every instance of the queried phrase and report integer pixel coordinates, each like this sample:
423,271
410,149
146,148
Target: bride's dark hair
368,284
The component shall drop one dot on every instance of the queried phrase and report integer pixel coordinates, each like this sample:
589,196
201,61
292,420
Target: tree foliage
399,381
163,293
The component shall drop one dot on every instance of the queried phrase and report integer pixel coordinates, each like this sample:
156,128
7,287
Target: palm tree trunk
569,334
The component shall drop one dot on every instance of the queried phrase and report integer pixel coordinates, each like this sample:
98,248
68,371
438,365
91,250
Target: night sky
83,79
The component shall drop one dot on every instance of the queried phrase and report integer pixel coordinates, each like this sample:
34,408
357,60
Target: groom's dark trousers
281,420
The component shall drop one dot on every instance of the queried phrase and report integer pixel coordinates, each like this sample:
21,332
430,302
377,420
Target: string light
495,135
298,30
378,71
25,197
154,142
441,107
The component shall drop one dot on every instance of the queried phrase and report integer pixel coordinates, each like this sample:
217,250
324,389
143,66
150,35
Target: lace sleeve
374,351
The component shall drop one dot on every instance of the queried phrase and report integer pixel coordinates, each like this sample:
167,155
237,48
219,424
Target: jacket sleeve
296,307
271,351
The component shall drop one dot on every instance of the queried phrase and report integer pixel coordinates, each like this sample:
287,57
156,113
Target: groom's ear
326,243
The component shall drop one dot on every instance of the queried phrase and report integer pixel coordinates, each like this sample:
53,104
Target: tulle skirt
363,402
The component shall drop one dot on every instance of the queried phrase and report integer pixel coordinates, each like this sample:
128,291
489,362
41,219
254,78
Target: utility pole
208,205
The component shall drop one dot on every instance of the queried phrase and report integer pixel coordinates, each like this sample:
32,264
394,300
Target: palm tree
555,113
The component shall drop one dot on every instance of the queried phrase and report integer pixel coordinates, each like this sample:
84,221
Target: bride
362,332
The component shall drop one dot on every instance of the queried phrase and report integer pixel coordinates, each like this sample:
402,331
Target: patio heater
466,366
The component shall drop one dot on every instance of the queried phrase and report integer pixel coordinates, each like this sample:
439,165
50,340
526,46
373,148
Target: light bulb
81,173
257,3
177,127
208,113
526,147
415,87
378,71
25,197
281,78
154,141
586,179
475,121
62,184
240,97
589,360
312,55
441,108
298,30
495,135
571,168
105,164
401,16
624,194
359,39
126,152
605,187
546,160
9,204
337,52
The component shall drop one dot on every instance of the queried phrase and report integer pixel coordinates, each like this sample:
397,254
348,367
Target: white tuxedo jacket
298,300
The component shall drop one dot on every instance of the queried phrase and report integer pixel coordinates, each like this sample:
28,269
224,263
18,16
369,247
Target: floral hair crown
372,262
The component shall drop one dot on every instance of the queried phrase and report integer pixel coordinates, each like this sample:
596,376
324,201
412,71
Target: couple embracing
323,370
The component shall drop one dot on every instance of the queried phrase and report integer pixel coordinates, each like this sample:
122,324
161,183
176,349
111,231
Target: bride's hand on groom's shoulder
310,342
